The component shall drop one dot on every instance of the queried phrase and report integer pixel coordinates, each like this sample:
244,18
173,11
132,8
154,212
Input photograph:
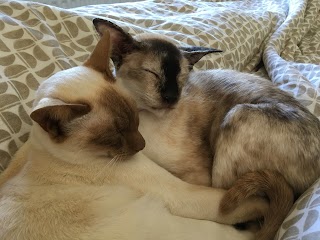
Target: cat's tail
270,184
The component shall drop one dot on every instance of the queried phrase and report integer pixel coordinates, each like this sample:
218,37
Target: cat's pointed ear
99,59
122,42
194,54
53,114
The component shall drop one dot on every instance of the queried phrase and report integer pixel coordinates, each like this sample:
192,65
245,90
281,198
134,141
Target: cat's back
237,87
221,90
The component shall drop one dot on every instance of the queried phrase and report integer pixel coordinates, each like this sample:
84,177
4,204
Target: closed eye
107,139
121,125
152,72
120,131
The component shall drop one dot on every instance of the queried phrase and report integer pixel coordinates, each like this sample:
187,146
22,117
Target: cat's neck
41,142
51,170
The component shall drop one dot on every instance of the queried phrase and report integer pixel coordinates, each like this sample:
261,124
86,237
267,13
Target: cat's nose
170,97
139,142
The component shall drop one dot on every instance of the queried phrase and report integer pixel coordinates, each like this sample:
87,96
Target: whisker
104,169
109,167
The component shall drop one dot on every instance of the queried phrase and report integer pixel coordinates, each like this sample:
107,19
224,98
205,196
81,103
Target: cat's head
153,69
81,110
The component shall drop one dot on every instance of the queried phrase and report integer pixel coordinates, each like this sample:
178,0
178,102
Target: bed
277,39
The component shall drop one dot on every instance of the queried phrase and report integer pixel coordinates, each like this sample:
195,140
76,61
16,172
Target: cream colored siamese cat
210,127
81,175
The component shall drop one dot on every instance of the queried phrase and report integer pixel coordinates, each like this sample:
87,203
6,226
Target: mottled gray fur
219,124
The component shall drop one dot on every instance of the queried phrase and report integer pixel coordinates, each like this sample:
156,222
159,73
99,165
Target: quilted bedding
278,39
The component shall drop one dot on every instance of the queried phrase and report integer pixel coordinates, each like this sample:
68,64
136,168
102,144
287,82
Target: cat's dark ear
194,54
100,57
122,42
53,114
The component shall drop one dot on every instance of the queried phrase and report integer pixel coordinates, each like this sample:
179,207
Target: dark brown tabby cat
225,123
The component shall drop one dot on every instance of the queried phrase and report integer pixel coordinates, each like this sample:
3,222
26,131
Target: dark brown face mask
166,57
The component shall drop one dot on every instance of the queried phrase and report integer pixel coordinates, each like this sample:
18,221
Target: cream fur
61,190
41,202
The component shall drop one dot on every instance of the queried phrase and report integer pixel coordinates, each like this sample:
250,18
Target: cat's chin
118,157
155,109
106,156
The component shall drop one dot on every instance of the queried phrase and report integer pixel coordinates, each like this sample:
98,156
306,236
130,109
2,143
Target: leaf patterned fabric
35,42
277,39
285,33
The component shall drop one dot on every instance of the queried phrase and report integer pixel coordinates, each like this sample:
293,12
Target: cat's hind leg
263,136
